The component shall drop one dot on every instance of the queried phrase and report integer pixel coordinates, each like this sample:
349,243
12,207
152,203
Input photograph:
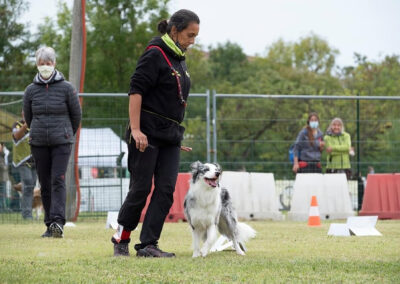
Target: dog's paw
240,252
204,251
196,254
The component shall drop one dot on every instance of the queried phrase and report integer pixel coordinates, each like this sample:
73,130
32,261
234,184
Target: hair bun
162,26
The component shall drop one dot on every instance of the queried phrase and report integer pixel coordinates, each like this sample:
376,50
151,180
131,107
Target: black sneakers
47,234
121,249
56,230
153,251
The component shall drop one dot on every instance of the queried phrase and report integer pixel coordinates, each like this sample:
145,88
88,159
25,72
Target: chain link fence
241,132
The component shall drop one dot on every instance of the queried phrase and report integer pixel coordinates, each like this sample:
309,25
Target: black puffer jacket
52,111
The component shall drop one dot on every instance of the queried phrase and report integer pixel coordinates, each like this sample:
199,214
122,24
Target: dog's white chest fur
205,205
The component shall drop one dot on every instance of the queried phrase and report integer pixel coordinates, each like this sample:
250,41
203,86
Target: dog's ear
196,167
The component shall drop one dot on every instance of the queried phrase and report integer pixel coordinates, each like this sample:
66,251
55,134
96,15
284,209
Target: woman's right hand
140,139
295,167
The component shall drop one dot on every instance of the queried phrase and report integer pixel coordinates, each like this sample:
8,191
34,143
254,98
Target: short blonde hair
45,53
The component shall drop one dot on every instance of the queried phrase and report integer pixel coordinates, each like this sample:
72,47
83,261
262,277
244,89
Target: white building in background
103,182
99,150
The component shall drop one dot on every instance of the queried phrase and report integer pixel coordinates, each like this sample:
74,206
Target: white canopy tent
100,147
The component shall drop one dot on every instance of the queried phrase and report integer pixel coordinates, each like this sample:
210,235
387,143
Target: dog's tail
245,232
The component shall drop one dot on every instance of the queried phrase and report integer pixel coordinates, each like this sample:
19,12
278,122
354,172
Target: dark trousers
312,167
28,179
51,165
162,163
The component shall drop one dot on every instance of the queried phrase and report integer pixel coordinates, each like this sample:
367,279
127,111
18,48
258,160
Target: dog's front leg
211,237
196,243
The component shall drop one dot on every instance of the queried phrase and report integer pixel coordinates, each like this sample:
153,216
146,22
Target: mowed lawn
283,252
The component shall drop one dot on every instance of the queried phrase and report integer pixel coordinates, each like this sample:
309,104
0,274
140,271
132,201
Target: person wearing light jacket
53,114
338,148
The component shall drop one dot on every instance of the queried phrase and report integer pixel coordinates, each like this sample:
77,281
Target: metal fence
241,132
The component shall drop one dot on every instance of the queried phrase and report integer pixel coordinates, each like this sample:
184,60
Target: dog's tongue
211,182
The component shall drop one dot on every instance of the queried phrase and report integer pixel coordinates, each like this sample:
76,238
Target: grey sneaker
56,230
153,251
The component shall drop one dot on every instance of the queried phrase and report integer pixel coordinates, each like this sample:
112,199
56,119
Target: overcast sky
368,27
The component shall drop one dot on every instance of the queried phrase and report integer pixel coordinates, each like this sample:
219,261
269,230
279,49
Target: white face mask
45,71
314,124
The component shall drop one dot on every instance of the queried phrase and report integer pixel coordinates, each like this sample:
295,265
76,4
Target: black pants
162,162
312,167
51,166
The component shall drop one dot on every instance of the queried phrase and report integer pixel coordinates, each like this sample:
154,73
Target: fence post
214,121
208,126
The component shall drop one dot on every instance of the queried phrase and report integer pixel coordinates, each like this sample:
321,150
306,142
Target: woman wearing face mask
157,99
53,114
308,146
338,147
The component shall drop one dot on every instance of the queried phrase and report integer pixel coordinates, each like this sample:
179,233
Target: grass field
284,252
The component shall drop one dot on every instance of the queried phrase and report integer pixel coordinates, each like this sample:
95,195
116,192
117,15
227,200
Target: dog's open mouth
211,181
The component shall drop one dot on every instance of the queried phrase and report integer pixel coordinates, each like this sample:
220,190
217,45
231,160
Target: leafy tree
227,63
314,54
57,34
118,32
15,47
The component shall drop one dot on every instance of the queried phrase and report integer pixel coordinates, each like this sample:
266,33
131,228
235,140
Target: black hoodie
154,81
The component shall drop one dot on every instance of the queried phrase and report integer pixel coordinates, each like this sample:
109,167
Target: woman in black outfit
157,99
53,114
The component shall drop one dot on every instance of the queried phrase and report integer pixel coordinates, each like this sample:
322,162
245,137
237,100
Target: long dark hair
309,129
180,19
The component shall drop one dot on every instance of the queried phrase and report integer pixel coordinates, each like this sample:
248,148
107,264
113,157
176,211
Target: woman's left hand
186,149
329,149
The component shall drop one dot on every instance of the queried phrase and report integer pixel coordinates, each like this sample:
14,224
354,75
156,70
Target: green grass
283,252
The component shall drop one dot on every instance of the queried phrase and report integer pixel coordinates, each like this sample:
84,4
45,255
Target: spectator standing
308,146
53,114
23,162
338,148
3,177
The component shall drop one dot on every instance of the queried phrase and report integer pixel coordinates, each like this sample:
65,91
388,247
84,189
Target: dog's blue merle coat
226,221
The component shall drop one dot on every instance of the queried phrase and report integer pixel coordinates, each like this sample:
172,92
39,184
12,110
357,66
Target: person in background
3,177
53,114
157,99
338,148
23,162
370,170
308,147
15,180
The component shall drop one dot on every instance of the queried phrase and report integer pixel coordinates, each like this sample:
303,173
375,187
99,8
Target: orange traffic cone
313,218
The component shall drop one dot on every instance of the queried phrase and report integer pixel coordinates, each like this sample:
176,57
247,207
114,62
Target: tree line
118,32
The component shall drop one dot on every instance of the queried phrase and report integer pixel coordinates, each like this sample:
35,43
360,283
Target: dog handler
157,100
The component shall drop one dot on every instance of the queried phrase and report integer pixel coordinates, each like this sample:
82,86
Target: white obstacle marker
221,244
332,193
253,195
112,222
355,226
